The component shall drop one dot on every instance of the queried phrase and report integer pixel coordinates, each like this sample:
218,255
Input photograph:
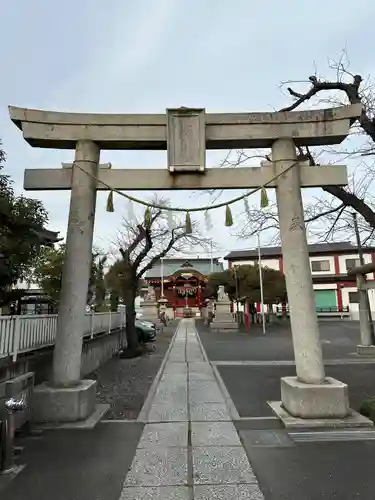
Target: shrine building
184,281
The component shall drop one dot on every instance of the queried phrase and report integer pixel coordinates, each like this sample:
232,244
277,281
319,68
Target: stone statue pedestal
163,304
149,310
224,319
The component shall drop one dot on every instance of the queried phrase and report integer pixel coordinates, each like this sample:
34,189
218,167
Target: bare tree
327,216
141,243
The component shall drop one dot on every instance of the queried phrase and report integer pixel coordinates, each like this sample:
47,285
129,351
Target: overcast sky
123,56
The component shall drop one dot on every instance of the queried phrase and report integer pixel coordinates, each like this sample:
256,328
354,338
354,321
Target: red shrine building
334,290
184,281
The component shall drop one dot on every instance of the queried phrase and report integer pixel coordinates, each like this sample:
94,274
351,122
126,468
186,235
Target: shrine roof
48,237
172,266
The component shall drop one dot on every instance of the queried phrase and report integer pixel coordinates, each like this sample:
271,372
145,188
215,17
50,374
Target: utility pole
261,286
162,278
211,258
237,297
362,279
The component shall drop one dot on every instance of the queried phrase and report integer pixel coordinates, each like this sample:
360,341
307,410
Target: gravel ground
124,383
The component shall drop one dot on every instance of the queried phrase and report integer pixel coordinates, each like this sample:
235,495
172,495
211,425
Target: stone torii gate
186,133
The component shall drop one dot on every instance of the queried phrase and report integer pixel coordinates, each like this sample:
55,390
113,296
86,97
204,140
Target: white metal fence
30,332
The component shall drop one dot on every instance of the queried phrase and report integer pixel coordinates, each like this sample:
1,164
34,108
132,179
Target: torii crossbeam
130,179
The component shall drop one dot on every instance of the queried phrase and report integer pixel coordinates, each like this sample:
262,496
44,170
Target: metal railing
328,309
25,333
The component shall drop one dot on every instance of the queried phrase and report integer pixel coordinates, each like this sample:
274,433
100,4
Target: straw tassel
228,216
188,227
110,207
148,218
131,214
170,221
263,198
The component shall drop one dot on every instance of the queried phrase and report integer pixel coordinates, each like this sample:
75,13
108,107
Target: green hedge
368,409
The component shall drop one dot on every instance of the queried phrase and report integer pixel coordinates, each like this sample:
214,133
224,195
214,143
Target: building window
320,265
353,297
351,263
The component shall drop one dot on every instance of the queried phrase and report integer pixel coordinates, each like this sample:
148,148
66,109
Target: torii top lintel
50,129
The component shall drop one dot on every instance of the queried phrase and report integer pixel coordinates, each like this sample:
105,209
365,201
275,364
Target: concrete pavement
309,465
189,447
74,464
198,438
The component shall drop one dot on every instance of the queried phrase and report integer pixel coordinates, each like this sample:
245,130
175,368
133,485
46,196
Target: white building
333,289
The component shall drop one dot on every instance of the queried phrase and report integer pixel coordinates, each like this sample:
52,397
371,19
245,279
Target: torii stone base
64,404
316,405
353,420
366,350
329,399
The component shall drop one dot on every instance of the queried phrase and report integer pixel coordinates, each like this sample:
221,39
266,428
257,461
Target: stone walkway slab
158,466
209,412
221,464
156,493
189,448
214,434
228,492
166,434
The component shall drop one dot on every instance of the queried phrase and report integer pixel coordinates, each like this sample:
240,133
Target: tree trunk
114,301
133,349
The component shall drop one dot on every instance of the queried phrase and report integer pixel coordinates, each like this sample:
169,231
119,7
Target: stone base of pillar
64,404
326,400
366,350
149,310
353,420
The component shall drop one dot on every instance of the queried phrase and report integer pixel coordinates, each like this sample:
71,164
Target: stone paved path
189,448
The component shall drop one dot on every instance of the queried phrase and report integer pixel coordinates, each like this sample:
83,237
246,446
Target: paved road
76,464
339,340
287,469
313,471
191,447
251,387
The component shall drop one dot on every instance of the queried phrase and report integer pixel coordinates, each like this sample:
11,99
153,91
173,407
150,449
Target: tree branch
337,218
174,238
351,90
351,200
323,214
125,254
367,123
348,199
143,253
